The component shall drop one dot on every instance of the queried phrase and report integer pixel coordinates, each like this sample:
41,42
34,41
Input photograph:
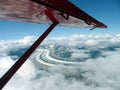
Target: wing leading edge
47,11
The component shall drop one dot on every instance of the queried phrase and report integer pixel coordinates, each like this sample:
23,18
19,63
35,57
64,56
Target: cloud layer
99,69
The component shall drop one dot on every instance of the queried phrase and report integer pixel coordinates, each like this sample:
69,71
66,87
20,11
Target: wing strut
8,75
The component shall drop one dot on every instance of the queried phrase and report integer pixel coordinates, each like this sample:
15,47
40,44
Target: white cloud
115,40
26,40
27,71
5,63
8,45
91,42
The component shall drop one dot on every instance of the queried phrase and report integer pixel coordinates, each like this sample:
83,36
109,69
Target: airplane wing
47,11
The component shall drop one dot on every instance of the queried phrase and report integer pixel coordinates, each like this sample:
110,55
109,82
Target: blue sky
106,11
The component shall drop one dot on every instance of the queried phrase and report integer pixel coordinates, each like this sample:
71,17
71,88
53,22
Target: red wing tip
101,25
104,26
